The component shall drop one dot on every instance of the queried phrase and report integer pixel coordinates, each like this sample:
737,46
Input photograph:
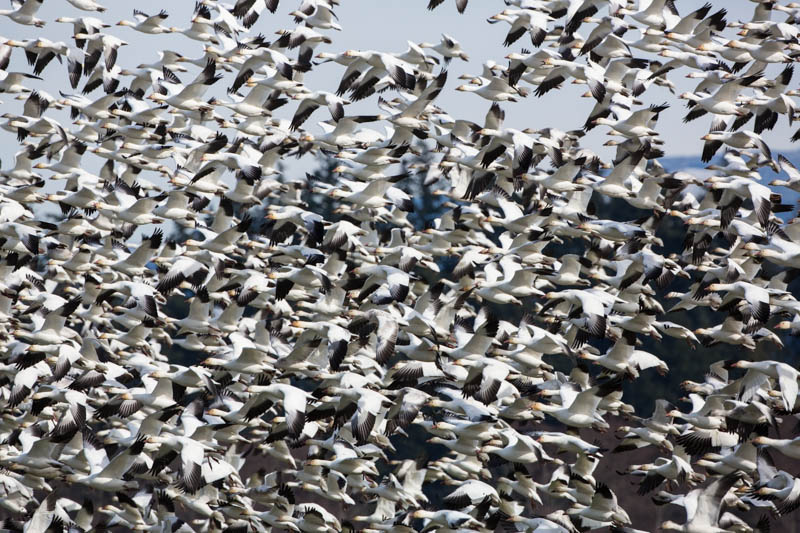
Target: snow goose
109,476
189,97
246,358
12,82
619,183
87,25
618,231
449,519
731,331
782,491
182,208
223,242
743,457
397,281
134,264
757,297
735,190
784,374
292,399
346,461
181,270
686,58
345,133
739,140
581,409
522,21
198,319
722,102
448,48
773,102
200,30
471,492
704,507
407,406
146,23
24,12
125,204
496,90
305,37
245,162
791,171
623,357
698,22
541,523
486,379
25,381
565,442
307,277
376,193
677,331
663,469
87,5
367,407
765,51
639,437
144,295
53,329
192,454
317,15
592,303
592,74
378,65
638,124
603,509
314,517
788,447
100,43
461,5
311,101
518,448
468,407
337,337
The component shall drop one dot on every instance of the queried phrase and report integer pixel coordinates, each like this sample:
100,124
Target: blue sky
385,25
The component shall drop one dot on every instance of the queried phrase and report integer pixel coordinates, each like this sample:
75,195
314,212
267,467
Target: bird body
217,310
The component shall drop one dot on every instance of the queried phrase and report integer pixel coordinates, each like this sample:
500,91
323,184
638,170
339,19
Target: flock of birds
267,365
